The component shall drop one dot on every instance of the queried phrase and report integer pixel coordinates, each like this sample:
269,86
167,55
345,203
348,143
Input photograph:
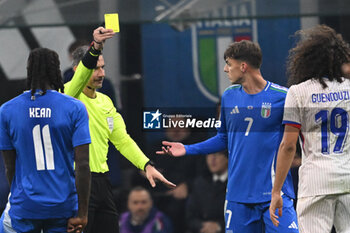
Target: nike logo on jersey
235,110
293,225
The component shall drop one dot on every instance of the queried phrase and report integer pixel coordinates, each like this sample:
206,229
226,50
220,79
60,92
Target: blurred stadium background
169,53
170,45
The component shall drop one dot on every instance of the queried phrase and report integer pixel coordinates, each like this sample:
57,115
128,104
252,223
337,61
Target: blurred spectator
142,216
68,73
205,209
180,171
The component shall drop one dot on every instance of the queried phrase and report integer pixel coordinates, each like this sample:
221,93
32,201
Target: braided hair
43,69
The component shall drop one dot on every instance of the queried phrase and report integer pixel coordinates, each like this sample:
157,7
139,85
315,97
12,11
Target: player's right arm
286,152
285,158
10,164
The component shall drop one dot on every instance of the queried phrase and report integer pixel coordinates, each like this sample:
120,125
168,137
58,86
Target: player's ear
74,68
244,67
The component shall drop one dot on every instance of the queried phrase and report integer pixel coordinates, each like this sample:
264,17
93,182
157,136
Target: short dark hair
43,68
139,189
245,50
320,52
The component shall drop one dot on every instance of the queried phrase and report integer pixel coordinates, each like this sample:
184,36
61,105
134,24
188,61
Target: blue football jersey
44,133
251,129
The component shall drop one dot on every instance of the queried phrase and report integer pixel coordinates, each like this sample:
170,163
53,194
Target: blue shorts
14,225
247,218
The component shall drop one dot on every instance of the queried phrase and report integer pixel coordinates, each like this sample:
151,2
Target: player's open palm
176,149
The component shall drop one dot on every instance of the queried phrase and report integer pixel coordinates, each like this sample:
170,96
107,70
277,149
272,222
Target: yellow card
112,22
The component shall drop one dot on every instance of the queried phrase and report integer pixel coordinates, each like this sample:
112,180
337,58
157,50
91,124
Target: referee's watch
150,162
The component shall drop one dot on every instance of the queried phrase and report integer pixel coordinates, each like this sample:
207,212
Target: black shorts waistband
99,174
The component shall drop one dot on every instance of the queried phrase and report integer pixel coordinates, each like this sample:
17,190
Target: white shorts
5,221
318,214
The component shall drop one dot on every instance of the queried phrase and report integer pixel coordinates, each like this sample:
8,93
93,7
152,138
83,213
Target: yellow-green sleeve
80,79
125,144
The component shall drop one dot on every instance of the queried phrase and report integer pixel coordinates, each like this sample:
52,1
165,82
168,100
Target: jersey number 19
338,125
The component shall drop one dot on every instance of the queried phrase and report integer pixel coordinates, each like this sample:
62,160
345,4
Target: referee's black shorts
101,196
103,216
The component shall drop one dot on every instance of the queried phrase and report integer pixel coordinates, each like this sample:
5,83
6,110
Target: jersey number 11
38,148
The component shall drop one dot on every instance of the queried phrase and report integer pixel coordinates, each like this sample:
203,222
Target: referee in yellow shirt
106,124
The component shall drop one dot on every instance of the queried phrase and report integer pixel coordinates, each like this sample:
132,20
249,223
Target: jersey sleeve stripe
279,90
292,123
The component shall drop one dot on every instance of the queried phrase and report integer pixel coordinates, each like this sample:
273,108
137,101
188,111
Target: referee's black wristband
91,57
150,162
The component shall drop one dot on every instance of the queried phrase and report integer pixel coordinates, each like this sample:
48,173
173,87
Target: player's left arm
82,183
285,158
82,178
81,140
10,164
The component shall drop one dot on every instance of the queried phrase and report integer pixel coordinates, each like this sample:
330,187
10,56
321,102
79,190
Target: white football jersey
323,118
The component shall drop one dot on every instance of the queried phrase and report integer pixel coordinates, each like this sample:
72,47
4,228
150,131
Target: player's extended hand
153,175
175,149
76,224
276,203
100,35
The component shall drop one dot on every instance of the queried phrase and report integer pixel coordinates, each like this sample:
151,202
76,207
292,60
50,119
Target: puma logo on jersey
235,110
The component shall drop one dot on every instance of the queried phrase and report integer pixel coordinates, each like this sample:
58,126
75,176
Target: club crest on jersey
266,110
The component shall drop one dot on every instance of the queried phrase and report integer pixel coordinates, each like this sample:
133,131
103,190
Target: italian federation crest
266,110
210,39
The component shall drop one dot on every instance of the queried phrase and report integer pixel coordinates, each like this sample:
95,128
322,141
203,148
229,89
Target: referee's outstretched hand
175,149
154,175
